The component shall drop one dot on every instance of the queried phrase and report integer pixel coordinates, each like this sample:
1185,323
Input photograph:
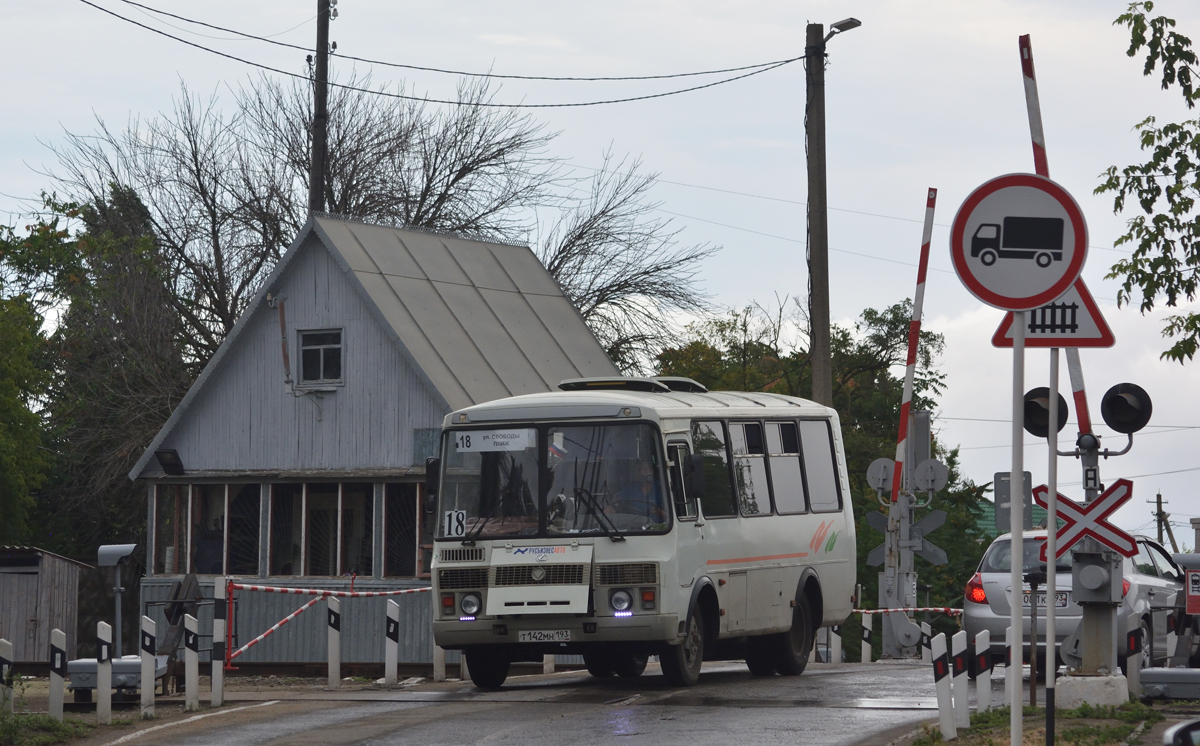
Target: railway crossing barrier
191,663
391,636
958,665
104,639
334,605
217,695
868,620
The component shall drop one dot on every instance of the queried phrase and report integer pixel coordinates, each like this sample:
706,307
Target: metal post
866,637
335,641
191,662
941,681
149,648
926,637
6,672
1008,667
104,647
1052,548
217,697
1016,523
58,672
818,224
117,593
1033,644
391,643
962,710
316,172
983,671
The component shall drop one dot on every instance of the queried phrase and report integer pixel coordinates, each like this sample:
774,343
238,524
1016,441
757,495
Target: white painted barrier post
217,697
835,644
6,672
335,641
1009,668
439,663
926,637
983,671
391,643
104,636
547,664
958,652
941,681
1137,649
149,647
866,638
58,672
464,673
191,663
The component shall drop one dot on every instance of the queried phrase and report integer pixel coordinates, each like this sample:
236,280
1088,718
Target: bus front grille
509,575
466,554
627,574
465,577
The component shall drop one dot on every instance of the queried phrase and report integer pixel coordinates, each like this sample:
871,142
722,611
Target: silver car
1151,580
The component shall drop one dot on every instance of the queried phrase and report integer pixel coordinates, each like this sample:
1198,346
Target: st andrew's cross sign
1091,519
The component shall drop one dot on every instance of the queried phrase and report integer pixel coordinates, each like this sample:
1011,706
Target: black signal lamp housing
1126,408
1037,412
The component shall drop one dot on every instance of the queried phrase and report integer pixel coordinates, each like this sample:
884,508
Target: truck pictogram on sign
1040,239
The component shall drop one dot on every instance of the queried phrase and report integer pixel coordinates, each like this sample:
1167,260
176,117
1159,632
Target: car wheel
629,665
792,647
681,663
488,667
760,656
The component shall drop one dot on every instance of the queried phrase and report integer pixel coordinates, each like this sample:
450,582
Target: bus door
725,550
690,550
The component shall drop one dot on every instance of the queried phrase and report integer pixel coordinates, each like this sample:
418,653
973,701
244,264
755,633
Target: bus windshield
597,479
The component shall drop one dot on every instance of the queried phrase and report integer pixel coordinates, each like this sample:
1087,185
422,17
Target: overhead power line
422,99
454,72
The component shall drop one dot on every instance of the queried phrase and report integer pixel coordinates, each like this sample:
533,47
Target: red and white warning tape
323,593
937,609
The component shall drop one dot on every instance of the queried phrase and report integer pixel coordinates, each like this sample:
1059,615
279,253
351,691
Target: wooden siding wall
246,419
35,601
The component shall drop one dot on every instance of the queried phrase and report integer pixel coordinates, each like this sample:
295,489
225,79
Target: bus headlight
621,600
471,604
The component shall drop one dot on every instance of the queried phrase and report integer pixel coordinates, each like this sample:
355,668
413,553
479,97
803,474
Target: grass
29,729
1104,725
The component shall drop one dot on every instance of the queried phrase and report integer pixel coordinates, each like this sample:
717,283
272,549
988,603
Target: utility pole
316,168
1163,522
818,219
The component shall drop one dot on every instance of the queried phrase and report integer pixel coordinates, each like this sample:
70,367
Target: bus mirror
433,470
696,476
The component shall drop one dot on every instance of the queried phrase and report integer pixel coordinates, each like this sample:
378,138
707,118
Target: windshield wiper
601,519
470,540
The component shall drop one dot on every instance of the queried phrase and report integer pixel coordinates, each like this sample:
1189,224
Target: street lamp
818,223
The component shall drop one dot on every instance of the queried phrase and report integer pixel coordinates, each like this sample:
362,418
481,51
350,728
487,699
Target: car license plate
1060,600
544,635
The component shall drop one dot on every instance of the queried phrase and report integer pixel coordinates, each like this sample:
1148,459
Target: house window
321,356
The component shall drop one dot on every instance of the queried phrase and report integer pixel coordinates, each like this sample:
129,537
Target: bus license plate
544,635
1060,600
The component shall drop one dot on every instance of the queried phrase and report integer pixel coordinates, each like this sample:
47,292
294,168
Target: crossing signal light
1037,412
1126,408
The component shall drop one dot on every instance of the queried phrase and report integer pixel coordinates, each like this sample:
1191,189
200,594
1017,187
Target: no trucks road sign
1073,320
1018,242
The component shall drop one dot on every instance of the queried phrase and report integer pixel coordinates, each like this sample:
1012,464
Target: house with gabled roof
298,454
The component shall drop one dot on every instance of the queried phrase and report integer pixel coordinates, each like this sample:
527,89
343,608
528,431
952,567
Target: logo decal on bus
540,550
823,536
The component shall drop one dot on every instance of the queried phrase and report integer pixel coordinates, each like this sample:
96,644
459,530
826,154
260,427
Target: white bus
623,518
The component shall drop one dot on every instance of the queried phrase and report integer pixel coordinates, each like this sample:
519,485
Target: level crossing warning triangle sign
1073,320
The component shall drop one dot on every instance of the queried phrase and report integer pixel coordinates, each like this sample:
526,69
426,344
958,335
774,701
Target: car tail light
974,592
1124,587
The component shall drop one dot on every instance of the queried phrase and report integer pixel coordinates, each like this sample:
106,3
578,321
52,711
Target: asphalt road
826,706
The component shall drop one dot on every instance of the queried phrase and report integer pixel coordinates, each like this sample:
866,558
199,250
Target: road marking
194,718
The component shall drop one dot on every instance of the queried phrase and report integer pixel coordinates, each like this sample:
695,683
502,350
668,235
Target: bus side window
685,504
820,470
708,438
750,468
787,480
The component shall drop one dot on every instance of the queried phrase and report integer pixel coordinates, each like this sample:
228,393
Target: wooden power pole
818,224
316,167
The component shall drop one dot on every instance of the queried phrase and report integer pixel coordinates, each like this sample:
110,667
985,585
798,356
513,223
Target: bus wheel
681,663
598,664
760,656
629,665
792,647
488,667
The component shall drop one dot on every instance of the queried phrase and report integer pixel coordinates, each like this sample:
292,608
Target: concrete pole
191,663
335,641
818,224
149,647
439,663
58,672
866,638
6,661
959,685
217,697
391,643
104,639
983,678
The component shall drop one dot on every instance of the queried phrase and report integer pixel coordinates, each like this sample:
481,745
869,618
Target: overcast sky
926,93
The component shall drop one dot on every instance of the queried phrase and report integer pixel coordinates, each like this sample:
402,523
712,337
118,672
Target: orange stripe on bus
757,559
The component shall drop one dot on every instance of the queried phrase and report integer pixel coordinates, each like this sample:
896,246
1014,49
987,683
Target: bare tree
622,267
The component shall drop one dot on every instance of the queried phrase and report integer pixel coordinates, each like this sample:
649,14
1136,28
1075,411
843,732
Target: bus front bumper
454,634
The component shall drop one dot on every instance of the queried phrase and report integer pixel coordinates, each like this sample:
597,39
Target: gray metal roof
480,320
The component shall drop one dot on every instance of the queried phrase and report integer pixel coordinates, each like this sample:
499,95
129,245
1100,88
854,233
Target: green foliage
23,457
35,729
1165,263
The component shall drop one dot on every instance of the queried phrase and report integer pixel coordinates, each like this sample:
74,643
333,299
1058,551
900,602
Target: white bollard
58,672
835,644
104,638
217,697
149,647
1009,667
391,643
941,681
335,641
1137,649
6,671
191,663
439,663
983,669
464,673
958,652
866,638
926,637
547,664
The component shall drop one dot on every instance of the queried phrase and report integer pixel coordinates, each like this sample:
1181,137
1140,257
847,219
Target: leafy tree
1165,264
23,456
